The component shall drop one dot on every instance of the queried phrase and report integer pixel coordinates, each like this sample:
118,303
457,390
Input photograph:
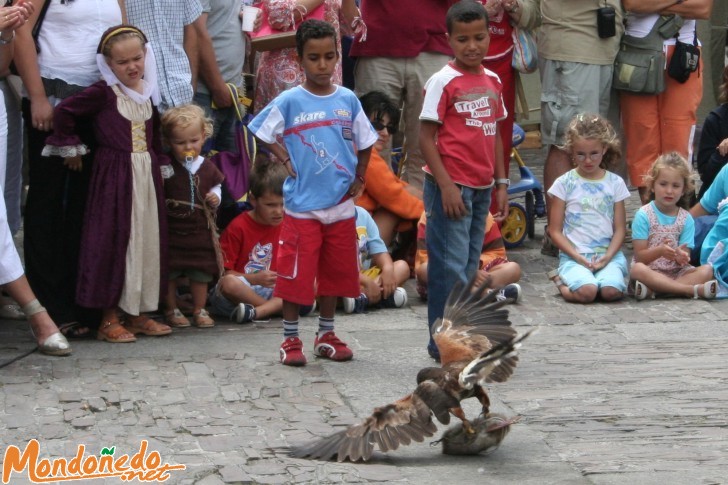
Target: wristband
506,182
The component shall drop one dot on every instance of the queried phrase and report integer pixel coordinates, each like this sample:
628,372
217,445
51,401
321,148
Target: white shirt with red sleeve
467,107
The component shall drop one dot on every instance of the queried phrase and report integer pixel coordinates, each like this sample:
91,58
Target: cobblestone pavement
628,392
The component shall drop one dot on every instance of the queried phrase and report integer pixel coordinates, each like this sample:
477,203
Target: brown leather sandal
202,319
114,332
176,319
145,325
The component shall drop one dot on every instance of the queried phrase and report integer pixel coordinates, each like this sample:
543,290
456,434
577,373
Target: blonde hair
184,116
589,126
676,162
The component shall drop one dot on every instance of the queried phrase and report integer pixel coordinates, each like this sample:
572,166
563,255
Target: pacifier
189,156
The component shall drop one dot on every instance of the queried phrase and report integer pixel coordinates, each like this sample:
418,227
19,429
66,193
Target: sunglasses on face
379,126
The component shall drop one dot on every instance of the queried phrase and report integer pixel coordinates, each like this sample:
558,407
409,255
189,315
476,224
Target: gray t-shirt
228,40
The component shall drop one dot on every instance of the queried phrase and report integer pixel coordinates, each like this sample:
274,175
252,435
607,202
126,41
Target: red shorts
310,251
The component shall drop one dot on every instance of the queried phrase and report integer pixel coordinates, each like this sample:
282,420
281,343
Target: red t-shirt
467,107
403,28
248,246
501,38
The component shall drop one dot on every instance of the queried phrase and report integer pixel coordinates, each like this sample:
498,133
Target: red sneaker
292,352
330,347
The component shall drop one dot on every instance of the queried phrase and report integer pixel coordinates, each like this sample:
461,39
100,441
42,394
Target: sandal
76,330
145,325
56,344
553,275
641,291
176,319
710,289
11,311
114,332
202,319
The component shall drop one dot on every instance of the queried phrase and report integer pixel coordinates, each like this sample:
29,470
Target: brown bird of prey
477,345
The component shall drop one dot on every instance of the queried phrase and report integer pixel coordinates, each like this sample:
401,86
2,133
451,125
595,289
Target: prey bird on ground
477,346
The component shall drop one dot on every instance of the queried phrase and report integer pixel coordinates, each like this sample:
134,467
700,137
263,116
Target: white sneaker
356,305
397,299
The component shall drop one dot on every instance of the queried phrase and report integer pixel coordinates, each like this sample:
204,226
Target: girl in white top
588,217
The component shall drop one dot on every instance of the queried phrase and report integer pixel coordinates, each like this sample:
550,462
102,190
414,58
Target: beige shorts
570,88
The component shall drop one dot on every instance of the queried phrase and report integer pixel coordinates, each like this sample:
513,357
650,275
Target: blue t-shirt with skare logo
322,135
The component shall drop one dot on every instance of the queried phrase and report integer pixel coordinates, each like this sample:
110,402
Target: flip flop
145,325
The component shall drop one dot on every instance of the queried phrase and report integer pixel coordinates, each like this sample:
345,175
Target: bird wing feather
477,344
389,427
473,321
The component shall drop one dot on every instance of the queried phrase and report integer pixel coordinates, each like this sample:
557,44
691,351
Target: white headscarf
149,82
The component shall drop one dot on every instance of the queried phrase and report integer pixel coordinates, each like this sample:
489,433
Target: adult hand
15,16
510,5
258,19
723,148
221,96
41,113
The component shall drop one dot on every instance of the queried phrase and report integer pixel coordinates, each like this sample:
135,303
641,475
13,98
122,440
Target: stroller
521,219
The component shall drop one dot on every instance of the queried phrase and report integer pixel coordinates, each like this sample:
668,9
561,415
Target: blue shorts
575,276
224,307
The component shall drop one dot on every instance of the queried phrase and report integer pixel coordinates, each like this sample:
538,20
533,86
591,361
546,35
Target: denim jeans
453,245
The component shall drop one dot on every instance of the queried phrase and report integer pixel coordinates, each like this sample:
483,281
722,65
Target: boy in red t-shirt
460,140
249,244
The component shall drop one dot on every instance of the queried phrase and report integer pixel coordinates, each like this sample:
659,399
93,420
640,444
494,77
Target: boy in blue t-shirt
327,140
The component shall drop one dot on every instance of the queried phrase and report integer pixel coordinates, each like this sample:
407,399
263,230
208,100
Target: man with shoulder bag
659,115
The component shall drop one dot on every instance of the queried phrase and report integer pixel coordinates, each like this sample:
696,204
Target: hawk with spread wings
477,346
